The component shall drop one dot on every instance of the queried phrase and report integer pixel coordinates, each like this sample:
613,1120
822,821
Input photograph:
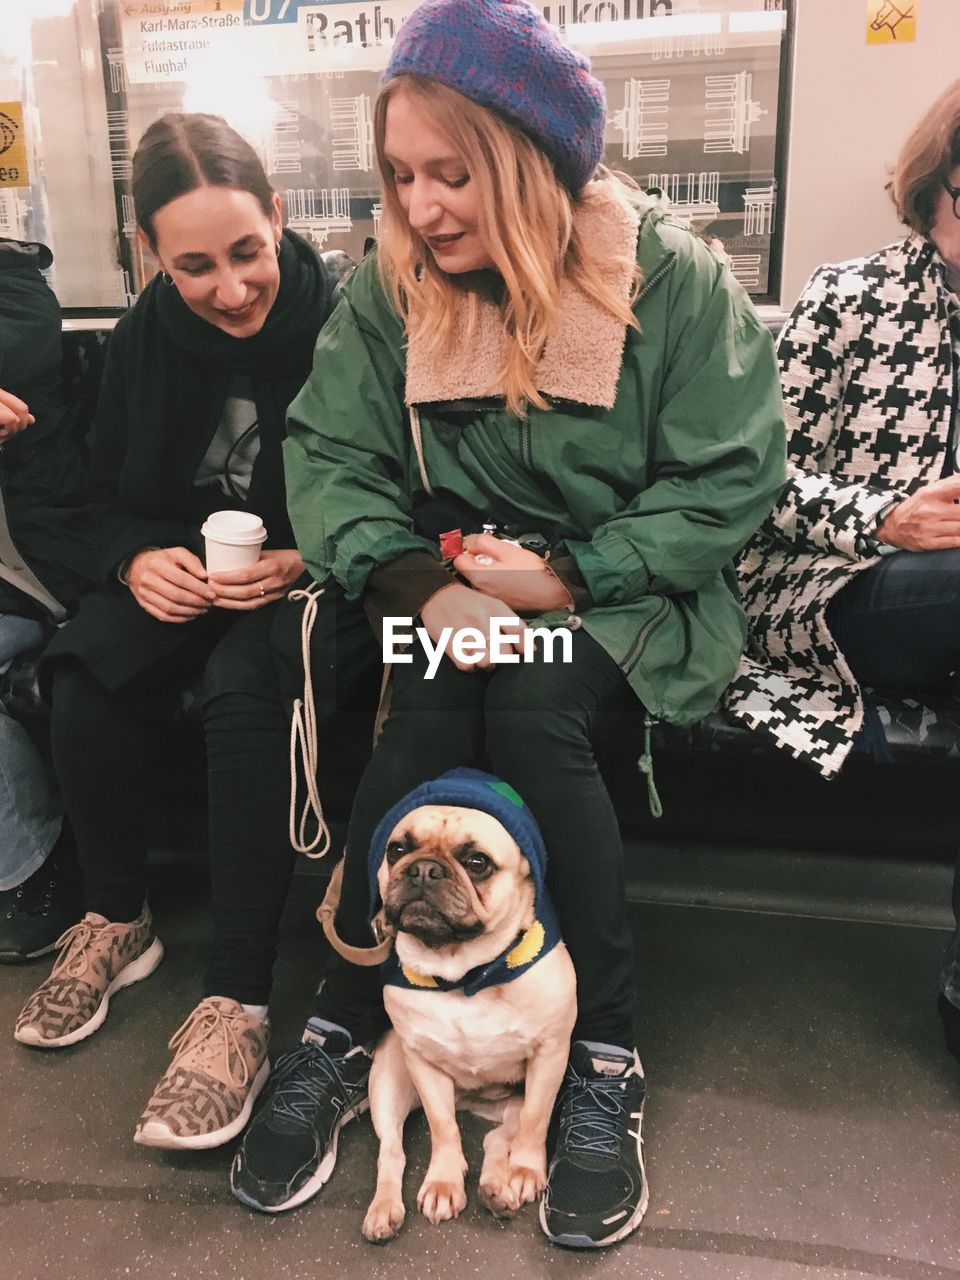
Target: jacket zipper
657,276
526,446
526,457
633,656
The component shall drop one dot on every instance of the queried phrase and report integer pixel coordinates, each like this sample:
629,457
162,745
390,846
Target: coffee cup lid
238,528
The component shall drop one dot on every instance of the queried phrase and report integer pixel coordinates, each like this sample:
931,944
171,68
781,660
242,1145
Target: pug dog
480,991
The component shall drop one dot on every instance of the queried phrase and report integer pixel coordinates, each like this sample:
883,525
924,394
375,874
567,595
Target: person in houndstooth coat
854,580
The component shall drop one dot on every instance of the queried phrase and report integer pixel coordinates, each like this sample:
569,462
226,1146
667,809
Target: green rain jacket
653,497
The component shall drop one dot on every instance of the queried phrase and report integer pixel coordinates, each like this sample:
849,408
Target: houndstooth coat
866,363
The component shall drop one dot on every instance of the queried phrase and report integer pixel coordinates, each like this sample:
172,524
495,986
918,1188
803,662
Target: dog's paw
526,1183
439,1200
384,1219
498,1196
527,1172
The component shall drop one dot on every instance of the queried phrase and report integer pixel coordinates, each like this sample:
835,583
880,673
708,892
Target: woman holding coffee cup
187,445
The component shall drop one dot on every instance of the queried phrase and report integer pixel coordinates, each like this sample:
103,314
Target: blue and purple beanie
503,55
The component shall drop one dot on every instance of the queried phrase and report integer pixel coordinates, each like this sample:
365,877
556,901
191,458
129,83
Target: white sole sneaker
576,1240
156,1134
135,971
314,1183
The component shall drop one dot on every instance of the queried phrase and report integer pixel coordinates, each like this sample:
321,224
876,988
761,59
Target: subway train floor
803,1117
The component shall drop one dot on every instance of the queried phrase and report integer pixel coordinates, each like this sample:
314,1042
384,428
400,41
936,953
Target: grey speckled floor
804,1121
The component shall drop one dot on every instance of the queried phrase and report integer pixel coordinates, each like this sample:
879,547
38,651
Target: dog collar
523,953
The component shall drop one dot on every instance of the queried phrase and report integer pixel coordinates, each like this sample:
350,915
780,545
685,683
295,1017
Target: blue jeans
898,625
30,811
17,635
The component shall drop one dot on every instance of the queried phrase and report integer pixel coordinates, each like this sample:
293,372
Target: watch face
534,542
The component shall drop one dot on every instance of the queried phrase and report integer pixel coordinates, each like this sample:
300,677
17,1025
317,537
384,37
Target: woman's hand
928,520
457,607
269,579
170,583
514,575
14,415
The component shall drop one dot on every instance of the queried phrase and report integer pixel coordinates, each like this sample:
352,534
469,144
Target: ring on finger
262,592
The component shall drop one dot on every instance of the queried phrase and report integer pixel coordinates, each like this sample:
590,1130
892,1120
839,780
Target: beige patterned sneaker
96,959
219,1065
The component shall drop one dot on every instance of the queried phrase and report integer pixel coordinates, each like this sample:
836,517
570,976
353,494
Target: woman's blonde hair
526,222
928,155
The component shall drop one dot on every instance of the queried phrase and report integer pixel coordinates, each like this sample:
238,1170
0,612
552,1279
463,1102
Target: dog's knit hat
503,55
468,789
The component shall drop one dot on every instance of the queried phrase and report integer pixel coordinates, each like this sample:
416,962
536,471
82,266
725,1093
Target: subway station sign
167,39
180,40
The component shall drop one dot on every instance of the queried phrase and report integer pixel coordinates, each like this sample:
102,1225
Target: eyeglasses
954,193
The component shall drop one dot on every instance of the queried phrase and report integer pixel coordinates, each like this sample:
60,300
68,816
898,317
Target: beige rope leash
303,742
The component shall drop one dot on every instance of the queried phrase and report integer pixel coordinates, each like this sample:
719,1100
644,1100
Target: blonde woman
534,347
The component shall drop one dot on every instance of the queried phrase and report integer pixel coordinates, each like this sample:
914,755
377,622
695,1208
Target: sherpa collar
582,359
473,789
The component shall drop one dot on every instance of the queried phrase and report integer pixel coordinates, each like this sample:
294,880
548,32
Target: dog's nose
425,869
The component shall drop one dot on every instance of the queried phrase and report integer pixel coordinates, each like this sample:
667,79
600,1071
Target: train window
55,180
695,90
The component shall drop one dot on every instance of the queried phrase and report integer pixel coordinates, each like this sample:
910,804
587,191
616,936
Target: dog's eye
395,851
478,864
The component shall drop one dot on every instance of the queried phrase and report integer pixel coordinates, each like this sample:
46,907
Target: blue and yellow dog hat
473,789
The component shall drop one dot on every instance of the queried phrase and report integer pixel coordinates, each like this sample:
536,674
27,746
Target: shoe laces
592,1115
75,944
304,1080
209,1038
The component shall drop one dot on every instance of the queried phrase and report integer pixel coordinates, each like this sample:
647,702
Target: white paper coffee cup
233,540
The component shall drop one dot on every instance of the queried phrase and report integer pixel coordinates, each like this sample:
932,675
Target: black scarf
177,376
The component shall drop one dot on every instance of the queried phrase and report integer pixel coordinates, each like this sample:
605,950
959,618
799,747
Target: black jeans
898,626
251,665
534,726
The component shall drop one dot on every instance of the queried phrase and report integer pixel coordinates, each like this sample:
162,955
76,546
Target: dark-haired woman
191,420
855,579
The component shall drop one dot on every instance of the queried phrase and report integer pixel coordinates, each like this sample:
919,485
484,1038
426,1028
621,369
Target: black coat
142,473
42,472
143,466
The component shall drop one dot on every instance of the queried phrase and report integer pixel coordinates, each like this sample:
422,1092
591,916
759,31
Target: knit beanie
467,789
503,55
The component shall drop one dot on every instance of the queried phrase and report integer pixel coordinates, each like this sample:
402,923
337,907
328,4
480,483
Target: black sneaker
37,912
596,1187
290,1148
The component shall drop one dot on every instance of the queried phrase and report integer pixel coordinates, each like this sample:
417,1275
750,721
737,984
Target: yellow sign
892,23
13,147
